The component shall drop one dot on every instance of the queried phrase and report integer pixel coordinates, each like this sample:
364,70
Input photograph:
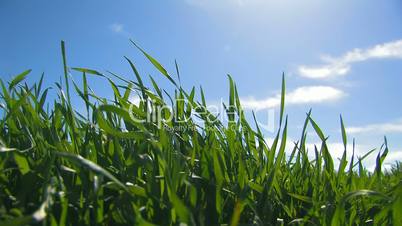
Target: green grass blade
17,79
155,63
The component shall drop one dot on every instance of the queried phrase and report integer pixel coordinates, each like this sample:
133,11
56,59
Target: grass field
59,166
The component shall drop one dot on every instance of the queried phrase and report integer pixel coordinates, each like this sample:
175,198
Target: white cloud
117,27
389,127
341,66
336,150
301,95
134,99
323,71
391,158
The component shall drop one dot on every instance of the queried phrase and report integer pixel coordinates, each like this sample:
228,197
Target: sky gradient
342,57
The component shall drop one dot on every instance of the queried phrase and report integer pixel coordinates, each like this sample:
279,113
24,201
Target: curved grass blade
80,161
155,63
17,79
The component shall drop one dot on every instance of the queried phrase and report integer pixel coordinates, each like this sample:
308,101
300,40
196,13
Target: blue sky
339,57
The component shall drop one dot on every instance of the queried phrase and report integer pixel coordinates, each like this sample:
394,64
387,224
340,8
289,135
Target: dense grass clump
59,166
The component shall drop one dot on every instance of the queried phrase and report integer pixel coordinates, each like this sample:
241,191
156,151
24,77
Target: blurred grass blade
85,163
88,71
283,94
17,79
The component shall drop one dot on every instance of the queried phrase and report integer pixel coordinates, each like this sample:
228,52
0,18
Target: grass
102,167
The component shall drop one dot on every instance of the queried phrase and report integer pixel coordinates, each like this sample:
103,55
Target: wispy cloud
301,95
134,99
342,65
223,4
117,27
388,127
336,150
392,157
